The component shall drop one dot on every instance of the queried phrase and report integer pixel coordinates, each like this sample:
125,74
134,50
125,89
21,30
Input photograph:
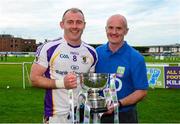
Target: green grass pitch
18,105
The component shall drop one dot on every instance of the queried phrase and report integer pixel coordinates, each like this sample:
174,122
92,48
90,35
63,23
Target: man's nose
74,25
114,31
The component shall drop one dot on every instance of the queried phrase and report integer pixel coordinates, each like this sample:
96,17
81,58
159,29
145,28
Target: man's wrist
120,104
59,83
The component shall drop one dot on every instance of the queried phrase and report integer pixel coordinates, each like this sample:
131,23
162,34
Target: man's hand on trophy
110,106
70,81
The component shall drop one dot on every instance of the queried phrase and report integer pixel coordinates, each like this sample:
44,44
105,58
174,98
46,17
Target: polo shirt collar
119,50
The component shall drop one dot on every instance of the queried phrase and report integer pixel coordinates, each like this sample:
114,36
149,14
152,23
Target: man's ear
106,28
84,24
61,24
126,31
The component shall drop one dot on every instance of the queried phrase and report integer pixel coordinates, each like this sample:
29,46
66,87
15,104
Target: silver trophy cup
94,83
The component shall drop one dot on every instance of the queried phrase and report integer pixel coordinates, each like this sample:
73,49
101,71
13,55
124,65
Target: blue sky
151,22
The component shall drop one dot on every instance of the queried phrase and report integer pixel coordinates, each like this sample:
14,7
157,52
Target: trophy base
98,110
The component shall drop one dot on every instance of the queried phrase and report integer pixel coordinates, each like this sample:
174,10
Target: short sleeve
41,56
139,76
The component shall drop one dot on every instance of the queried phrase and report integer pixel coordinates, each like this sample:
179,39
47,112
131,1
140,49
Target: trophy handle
81,98
81,78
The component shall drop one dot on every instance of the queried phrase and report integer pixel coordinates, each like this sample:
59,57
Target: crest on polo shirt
120,71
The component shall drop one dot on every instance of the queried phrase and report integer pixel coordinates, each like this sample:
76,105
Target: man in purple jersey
57,63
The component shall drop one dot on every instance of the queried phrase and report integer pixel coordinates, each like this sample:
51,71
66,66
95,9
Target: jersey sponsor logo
74,53
74,67
65,56
84,59
61,72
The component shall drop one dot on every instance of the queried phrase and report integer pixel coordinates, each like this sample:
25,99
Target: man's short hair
74,10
